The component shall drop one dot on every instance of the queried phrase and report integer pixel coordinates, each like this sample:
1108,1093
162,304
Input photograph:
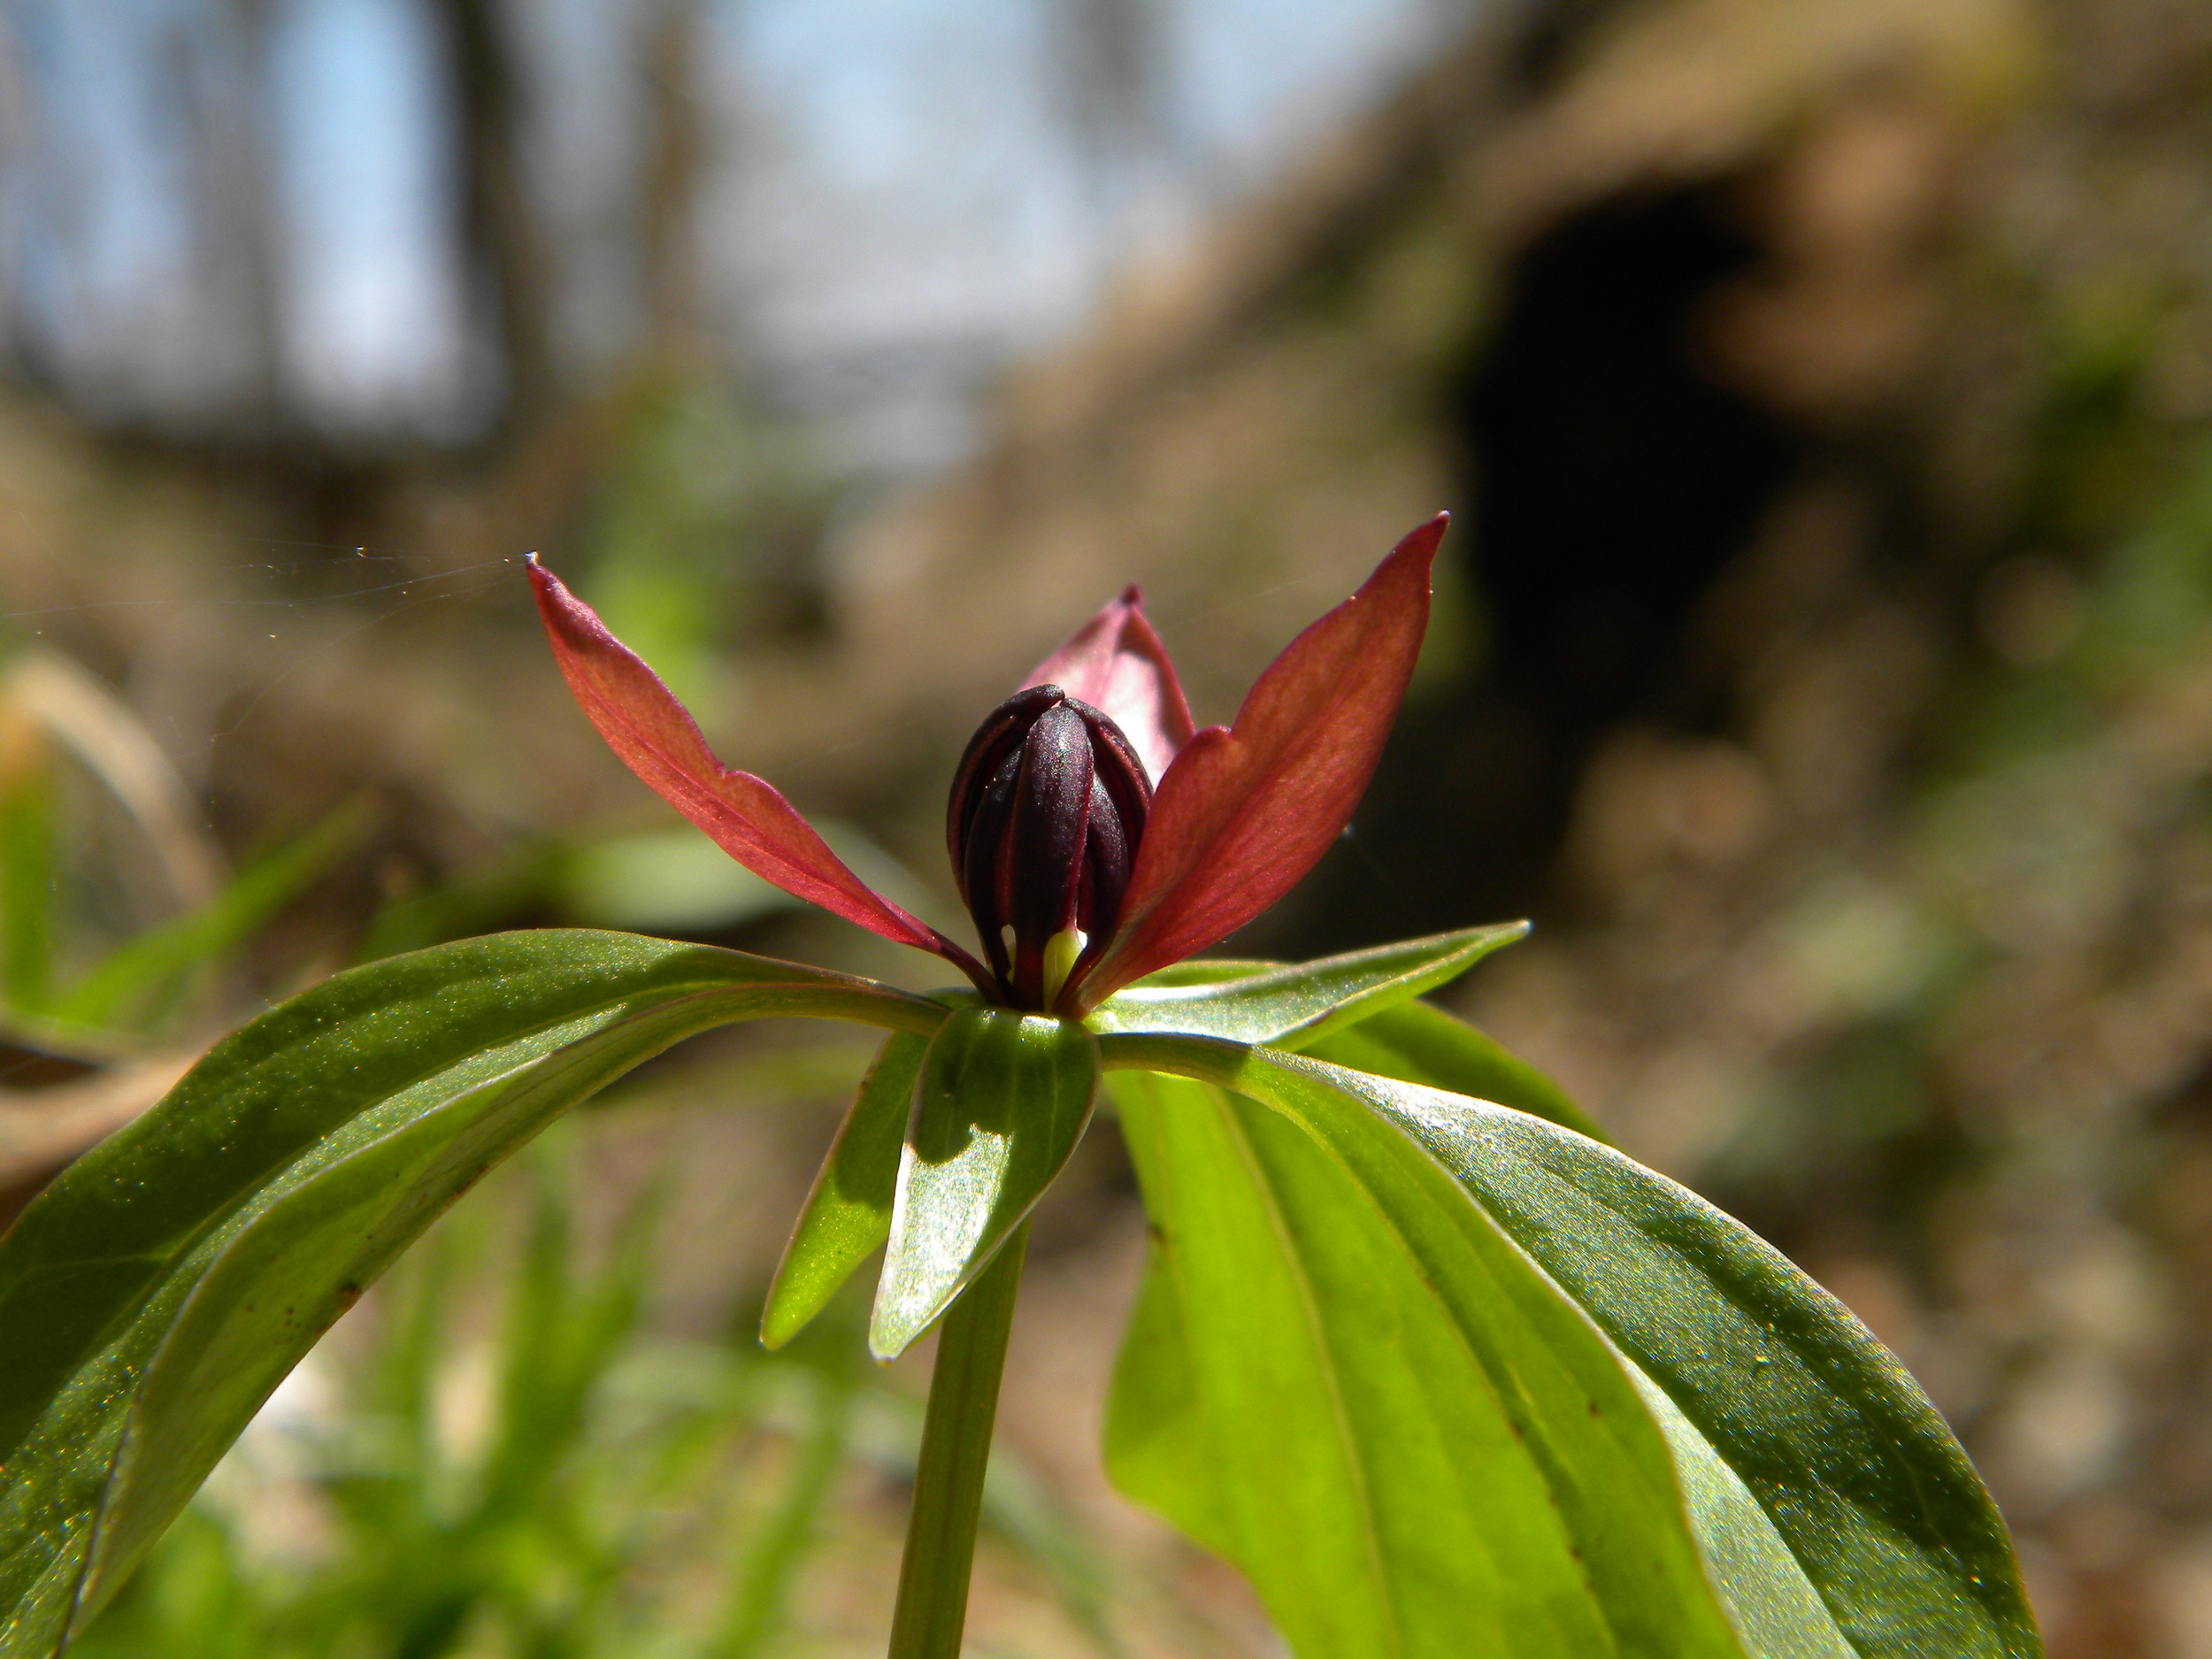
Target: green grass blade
29,869
766,1572
139,983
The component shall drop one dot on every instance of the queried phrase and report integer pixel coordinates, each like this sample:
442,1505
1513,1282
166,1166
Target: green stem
932,1605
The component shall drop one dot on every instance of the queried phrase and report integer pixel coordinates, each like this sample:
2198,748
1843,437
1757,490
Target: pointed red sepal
1116,662
743,815
1246,810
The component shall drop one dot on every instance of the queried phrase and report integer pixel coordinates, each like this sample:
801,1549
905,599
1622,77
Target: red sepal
1246,810
745,816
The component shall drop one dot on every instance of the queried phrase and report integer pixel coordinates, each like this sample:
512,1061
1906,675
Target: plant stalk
932,1605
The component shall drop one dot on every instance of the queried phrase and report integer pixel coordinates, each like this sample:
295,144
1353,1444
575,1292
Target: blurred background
1823,659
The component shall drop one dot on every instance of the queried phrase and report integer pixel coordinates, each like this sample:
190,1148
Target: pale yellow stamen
1060,951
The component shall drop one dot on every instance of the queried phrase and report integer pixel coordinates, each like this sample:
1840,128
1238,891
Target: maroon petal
1247,810
1116,662
745,816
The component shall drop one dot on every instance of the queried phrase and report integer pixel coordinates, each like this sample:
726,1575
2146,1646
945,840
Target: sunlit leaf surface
1828,1497
1418,1043
847,1214
165,1282
1298,1002
1001,1100
1342,1378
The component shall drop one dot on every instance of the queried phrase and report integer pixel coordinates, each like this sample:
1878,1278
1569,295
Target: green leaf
1808,1458
847,1214
1001,1102
139,983
1418,1043
165,1282
1267,1003
1346,1381
673,879
29,869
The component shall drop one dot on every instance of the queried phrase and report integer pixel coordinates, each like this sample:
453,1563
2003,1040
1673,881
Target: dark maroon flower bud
1047,809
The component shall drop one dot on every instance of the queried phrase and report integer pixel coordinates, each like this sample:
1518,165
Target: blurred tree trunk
505,242
669,218
222,81
1112,60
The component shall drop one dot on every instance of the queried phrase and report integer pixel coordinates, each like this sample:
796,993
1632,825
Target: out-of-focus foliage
1885,910
508,1461
76,762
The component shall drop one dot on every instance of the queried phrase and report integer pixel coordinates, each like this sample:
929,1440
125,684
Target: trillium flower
1096,835
1434,1367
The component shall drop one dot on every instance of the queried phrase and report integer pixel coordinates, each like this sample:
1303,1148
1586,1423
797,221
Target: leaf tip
887,1339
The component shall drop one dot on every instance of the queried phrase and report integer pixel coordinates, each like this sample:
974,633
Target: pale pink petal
1116,662
1246,810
